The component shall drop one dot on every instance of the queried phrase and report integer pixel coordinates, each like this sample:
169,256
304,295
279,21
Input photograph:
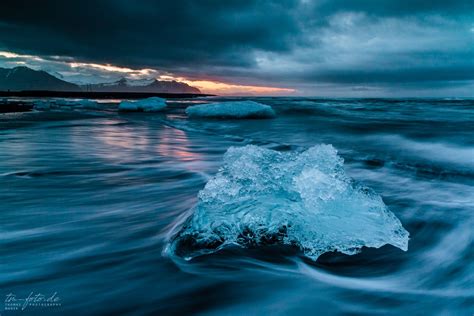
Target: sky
333,48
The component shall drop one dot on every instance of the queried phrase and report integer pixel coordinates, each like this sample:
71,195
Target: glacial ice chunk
80,102
45,105
86,104
301,199
153,104
232,109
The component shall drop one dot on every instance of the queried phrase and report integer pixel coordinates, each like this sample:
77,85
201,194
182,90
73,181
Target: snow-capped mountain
24,78
145,85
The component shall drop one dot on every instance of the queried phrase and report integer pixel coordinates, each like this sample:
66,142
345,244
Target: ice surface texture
301,199
153,104
235,109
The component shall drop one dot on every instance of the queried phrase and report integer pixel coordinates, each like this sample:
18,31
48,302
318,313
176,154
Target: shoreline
98,95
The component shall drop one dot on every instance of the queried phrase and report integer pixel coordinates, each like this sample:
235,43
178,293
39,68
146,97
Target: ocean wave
444,154
300,199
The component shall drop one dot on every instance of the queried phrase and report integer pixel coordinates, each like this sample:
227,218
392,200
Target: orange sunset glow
221,88
206,86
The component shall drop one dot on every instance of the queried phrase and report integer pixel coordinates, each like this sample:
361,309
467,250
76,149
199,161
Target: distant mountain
24,78
151,86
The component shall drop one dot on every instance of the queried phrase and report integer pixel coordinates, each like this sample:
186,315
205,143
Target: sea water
377,197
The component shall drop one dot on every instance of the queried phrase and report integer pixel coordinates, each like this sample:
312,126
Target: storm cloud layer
308,45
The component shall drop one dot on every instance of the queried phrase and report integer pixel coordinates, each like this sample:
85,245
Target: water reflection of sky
174,143
119,142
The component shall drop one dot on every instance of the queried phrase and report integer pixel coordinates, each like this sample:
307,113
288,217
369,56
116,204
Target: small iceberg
46,105
234,109
300,199
82,104
85,104
153,104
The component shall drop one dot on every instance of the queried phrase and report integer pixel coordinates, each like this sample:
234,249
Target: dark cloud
282,42
397,7
151,33
411,75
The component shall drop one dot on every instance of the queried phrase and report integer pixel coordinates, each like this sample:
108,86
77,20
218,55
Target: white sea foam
438,152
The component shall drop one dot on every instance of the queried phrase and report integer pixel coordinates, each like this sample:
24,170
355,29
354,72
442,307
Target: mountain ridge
22,78
152,86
